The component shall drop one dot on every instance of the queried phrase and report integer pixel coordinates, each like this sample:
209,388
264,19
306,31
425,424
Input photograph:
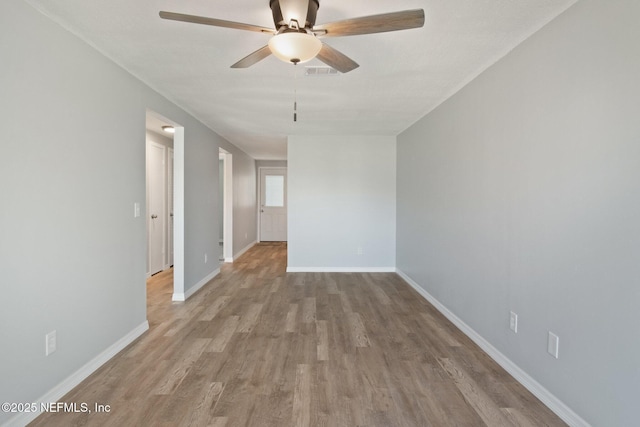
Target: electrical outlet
553,342
359,251
513,322
50,343
136,210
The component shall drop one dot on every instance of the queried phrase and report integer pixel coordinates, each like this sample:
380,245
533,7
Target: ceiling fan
296,35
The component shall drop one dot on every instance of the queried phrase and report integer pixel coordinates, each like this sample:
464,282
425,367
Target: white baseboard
241,252
228,259
551,401
77,377
195,288
341,269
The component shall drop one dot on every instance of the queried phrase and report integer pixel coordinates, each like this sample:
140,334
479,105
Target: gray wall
72,256
341,195
522,192
245,227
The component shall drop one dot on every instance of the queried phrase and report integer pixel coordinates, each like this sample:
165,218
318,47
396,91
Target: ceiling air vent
320,71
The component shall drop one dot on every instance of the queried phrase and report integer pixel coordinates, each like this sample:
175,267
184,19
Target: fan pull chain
295,92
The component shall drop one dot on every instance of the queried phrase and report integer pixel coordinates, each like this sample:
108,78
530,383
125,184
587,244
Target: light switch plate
553,343
50,343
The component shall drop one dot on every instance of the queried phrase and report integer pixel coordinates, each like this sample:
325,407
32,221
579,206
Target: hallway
261,347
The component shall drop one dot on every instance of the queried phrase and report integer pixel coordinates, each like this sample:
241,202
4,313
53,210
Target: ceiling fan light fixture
294,47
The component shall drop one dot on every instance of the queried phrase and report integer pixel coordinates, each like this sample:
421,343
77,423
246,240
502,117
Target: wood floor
261,347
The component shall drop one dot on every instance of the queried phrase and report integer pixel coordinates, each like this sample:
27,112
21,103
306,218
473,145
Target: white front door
155,206
273,205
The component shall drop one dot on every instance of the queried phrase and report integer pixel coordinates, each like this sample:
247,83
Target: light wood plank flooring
260,347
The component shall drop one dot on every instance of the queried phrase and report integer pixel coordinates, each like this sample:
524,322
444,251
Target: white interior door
273,205
156,206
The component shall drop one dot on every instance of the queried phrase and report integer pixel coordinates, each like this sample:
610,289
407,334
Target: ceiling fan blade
253,58
394,21
215,22
336,59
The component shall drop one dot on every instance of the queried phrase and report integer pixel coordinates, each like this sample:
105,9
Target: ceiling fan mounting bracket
304,21
286,29
293,24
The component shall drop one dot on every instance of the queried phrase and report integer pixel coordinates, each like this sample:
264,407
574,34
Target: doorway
273,205
166,217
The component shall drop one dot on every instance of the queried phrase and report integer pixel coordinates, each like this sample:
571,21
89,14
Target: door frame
178,214
227,214
169,208
259,187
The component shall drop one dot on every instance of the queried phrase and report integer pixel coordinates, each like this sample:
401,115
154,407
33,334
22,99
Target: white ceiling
402,76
